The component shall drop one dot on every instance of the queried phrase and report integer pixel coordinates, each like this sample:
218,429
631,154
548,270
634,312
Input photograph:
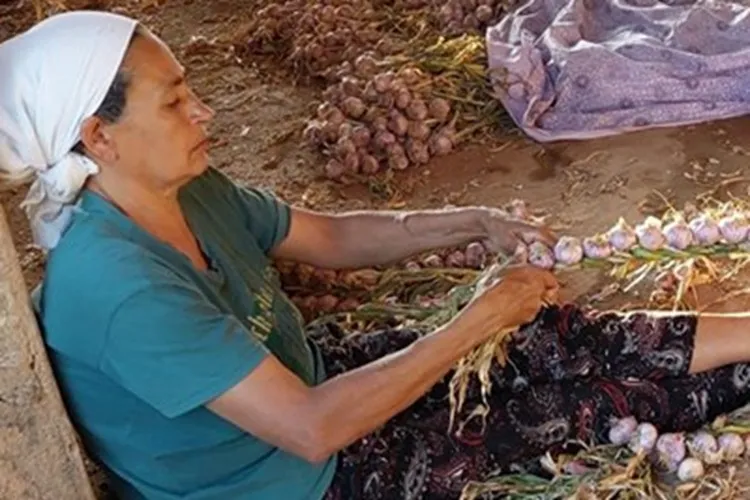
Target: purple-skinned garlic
670,450
622,236
678,234
475,255
703,445
690,469
597,247
518,209
649,234
644,438
568,250
705,230
622,430
540,255
521,254
734,228
731,446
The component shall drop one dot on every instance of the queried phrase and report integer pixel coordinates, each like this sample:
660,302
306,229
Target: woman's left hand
505,233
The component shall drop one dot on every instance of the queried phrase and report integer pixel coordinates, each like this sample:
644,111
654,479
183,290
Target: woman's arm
315,422
370,238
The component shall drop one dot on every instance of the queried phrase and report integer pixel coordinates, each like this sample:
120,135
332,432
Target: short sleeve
267,217
175,350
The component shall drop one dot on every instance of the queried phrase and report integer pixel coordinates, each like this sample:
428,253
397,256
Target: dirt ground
257,134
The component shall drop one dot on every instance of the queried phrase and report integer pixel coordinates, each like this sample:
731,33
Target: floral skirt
569,373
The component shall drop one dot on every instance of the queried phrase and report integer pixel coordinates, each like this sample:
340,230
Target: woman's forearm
385,387
379,238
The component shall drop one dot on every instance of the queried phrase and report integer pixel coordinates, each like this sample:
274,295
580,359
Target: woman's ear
97,139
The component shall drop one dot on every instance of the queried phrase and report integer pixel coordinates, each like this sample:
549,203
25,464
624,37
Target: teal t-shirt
140,340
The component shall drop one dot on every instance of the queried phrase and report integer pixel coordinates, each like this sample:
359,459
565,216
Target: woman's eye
174,103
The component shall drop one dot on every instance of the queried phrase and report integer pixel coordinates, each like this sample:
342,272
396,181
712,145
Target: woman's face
161,137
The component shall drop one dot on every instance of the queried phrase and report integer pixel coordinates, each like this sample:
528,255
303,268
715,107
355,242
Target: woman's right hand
508,298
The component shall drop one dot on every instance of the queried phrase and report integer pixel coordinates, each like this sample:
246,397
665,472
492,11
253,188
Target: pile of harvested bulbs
457,17
324,291
315,36
685,454
372,120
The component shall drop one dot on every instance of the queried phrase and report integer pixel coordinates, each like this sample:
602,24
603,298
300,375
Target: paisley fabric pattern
569,373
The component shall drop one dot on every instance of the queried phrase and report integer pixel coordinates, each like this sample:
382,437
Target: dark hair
113,105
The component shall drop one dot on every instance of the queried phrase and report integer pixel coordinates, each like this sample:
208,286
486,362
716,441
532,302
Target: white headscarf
53,77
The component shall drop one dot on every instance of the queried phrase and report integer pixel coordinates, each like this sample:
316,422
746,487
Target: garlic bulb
705,230
433,261
649,234
678,234
644,438
519,210
475,255
731,446
540,255
671,450
597,247
690,469
622,431
521,254
734,228
622,236
703,445
568,250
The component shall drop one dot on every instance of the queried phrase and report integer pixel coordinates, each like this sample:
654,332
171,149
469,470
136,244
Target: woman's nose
200,112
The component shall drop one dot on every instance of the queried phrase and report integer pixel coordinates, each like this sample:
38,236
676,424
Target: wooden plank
39,454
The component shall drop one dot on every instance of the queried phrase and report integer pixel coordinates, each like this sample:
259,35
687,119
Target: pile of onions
703,230
457,17
373,120
685,454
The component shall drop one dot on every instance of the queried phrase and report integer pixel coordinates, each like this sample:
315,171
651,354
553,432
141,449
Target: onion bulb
705,230
568,250
541,256
649,234
622,236
690,469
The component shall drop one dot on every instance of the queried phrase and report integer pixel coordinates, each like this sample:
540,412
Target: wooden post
39,454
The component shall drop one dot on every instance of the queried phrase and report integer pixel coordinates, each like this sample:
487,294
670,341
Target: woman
186,369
